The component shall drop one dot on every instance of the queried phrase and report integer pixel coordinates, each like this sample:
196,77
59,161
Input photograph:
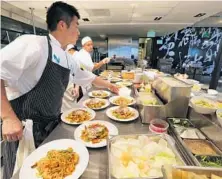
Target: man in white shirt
37,69
84,56
85,60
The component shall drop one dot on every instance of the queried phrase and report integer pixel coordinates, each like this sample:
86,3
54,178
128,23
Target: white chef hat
70,46
85,40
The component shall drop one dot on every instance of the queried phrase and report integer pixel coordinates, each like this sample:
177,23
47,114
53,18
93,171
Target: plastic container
158,126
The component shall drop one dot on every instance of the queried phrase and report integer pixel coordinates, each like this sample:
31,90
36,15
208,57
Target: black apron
42,104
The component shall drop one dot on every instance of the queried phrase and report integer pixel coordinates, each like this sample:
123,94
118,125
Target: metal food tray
176,132
170,88
191,155
197,170
157,136
149,112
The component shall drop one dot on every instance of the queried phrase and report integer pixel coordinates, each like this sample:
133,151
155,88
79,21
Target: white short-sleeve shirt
23,62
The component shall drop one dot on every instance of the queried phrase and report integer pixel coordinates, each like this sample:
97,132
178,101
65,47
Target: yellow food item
196,88
78,116
128,75
148,102
204,103
123,113
95,104
94,133
57,164
219,105
122,101
220,114
182,174
100,93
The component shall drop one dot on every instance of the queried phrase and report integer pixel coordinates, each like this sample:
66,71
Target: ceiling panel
106,5
144,19
155,4
152,11
133,17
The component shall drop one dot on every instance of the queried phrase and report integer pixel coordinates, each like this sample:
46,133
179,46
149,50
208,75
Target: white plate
103,107
112,131
109,114
66,113
127,84
112,99
91,95
113,79
29,173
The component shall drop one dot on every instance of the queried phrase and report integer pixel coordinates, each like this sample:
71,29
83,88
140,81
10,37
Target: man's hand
12,129
75,91
114,88
106,60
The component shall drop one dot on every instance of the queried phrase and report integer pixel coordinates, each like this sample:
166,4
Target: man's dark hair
60,11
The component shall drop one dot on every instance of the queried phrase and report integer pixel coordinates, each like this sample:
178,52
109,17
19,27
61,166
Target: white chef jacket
23,62
85,60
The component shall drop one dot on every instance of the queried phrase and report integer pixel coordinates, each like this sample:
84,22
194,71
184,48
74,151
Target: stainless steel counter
98,159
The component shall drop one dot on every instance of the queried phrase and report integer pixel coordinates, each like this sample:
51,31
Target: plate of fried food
59,159
94,134
122,113
78,115
96,103
122,100
99,94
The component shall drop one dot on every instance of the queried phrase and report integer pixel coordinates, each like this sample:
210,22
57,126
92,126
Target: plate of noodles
122,113
122,100
59,159
96,103
99,94
78,115
93,134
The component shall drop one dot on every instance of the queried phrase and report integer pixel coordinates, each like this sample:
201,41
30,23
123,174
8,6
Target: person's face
70,34
88,46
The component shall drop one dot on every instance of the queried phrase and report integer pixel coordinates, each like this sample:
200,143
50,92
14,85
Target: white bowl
201,109
218,117
191,82
212,92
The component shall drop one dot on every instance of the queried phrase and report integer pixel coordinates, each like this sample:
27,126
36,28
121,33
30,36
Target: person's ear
61,25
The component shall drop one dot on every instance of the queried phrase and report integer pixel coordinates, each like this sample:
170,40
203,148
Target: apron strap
49,48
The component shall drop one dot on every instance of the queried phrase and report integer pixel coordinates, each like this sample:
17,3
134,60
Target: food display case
127,149
184,172
195,146
174,96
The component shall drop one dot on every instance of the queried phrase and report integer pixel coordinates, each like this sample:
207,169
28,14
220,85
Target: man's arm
101,63
100,82
12,126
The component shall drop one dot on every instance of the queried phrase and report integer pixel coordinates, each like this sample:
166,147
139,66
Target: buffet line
145,132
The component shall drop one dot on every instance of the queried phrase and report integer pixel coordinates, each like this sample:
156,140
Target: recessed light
200,15
220,21
136,15
85,19
157,18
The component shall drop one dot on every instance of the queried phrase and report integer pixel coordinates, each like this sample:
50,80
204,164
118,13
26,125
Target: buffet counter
98,158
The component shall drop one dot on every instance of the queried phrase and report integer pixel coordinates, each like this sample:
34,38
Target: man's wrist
9,115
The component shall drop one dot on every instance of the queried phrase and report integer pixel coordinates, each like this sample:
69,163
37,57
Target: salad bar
142,133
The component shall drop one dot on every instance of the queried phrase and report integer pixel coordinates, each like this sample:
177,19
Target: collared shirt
23,62
85,60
